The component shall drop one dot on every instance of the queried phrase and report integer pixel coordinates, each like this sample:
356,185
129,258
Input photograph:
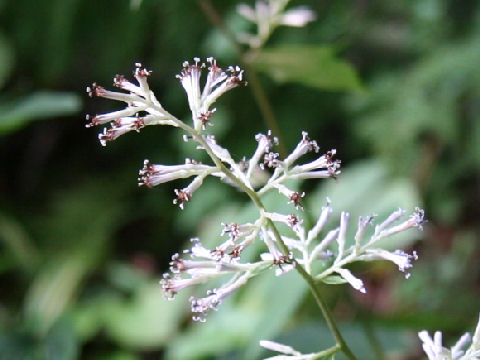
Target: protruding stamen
141,71
205,118
183,196
95,90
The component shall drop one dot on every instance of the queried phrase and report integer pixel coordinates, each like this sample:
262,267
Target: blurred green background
393,86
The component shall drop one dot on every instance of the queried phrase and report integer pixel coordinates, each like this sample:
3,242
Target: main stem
308,278
327,314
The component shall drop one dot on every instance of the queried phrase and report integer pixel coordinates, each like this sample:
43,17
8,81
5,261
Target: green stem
199,138
255,198
329,351
308,278
327,314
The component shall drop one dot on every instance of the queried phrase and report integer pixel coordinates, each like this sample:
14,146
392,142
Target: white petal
352,280
298,17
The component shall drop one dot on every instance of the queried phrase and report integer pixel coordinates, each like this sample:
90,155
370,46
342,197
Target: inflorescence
298,247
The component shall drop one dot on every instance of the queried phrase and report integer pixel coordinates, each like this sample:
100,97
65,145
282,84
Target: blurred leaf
61,342
36,106
135,4
148,320
143,320
125,277
227,329
334,280
117,355
55,287
87,315
6,59
15,345
275,299
18,242
315,66
58,38
217,43
57,282
433,102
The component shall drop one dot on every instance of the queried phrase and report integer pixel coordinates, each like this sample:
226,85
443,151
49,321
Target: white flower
297,17
218,82
398,257
153,174
436,351
236,231
274,346
140,100
220,152
415,220
185,195
268,15
320,224
304,146
283,262
456,350
351,279
291,220
315,168
200,306
288,352
265,143
172,285
294,197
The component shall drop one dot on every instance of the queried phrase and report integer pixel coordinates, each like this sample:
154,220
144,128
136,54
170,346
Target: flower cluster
218,83
268,15
201,265
434,349
283,252
142,108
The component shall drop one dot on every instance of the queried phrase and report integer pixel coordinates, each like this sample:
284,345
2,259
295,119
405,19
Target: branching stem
307,277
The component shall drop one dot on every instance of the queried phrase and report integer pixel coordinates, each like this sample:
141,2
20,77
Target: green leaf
55,287
61,342
276,299
16,345
148,320
225,330
56,284
334,280
18,243
315,66
36,106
